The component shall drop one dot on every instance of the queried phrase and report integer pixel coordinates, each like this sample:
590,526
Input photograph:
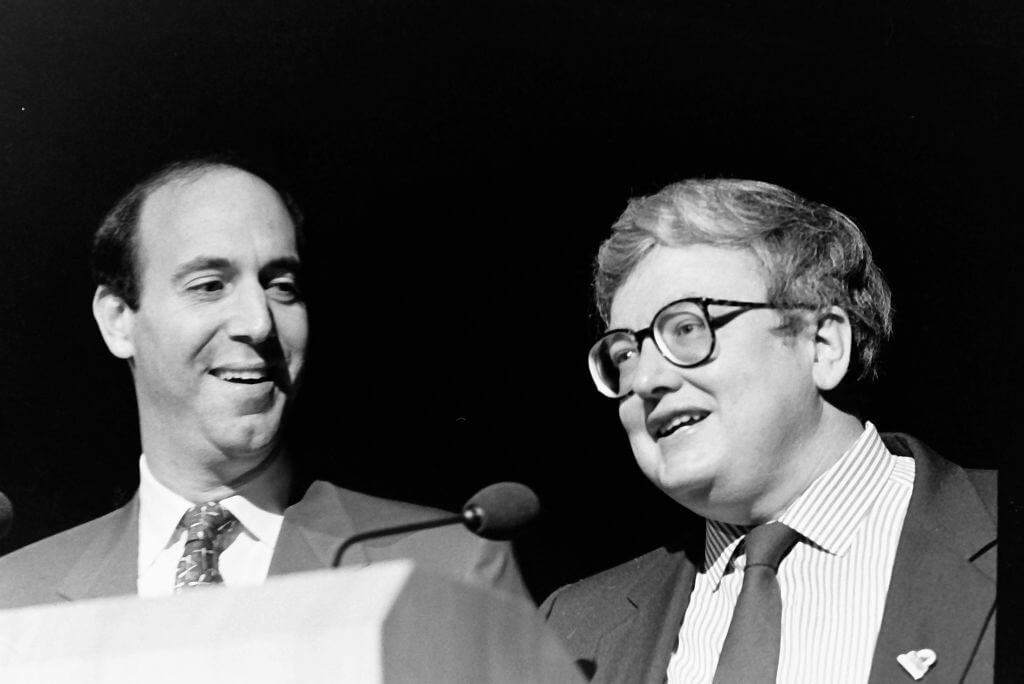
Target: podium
389,623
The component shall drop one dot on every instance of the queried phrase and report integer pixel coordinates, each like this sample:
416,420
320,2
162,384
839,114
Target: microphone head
501,510
6,515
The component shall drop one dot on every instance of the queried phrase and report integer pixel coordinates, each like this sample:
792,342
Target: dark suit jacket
100,557
623,624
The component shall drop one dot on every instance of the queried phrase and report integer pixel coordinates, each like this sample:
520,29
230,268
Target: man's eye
686,326
284,289
206,286
621,354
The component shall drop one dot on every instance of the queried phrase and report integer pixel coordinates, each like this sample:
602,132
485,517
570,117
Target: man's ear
833,345
115,320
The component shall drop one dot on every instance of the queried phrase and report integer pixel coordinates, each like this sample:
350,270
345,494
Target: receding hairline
182,178
179,181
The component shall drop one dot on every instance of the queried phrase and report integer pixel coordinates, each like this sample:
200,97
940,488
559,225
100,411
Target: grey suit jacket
622,624
100,557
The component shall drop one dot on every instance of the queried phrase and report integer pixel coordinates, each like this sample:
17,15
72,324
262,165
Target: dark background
460,162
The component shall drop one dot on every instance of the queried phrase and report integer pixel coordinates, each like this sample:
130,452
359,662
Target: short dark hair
115,247
812,255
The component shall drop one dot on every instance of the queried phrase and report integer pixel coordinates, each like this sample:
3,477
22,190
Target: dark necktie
204,525
751,649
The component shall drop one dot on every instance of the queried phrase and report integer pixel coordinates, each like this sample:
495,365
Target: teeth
241,375
682,420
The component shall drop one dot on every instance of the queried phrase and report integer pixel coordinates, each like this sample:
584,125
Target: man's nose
654,375
251,319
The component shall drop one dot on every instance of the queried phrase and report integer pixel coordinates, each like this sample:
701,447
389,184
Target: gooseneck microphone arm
495,512
388,531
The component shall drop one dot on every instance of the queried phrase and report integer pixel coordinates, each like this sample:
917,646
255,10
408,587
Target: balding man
199,288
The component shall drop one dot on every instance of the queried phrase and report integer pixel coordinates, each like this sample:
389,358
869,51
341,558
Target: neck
836,432
220,479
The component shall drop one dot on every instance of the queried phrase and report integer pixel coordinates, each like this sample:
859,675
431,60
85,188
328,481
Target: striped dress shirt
833,582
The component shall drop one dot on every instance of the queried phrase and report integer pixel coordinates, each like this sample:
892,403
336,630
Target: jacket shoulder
369,511
450,550
596,592
986,483
31,574
324,501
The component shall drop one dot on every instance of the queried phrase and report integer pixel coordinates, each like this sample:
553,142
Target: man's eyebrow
209,263
288,263
201,263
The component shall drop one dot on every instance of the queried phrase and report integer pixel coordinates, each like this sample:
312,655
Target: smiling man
199,288
738,314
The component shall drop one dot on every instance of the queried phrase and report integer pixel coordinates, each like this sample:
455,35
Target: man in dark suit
199,288
738,314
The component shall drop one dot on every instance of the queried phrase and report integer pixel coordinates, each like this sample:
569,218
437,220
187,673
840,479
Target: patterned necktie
205,524
751,649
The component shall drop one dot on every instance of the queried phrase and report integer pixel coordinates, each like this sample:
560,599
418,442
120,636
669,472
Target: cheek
179,329
766,401
631,415
155,343
293,330
762,374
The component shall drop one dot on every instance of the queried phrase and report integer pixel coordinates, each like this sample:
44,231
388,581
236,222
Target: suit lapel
644,638
312,531
108,566
942,592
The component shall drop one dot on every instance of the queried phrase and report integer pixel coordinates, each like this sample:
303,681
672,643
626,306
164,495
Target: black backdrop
460,162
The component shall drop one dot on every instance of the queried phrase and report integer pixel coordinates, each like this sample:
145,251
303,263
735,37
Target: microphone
6,515
497,511
500,510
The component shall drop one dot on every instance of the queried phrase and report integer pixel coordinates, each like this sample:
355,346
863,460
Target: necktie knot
768,544
204,524
206,521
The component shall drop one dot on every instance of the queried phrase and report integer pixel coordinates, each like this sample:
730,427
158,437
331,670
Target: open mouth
243,376
680,421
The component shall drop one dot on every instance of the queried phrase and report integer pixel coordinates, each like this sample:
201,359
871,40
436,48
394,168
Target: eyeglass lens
681,332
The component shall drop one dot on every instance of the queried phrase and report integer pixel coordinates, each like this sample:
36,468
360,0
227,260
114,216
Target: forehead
223,212
669,273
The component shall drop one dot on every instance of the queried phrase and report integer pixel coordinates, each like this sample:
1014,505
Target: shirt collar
826,513
720,542
830,509
258,505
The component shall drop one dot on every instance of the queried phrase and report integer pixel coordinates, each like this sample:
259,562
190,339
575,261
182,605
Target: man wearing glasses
737,314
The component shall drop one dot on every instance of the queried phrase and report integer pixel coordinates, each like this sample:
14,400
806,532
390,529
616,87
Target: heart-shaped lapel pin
916,663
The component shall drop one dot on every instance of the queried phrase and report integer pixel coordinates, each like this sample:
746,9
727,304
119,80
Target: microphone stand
465,517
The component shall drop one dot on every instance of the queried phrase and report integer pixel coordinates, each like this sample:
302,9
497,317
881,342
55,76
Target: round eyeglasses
683,331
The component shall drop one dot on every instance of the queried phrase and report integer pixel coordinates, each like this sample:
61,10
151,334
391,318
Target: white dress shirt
833,582
258,505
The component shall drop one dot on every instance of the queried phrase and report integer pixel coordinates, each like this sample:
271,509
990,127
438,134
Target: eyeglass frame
641,335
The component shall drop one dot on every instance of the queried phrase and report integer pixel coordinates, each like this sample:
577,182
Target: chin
682,477
681,466
248,438
684,486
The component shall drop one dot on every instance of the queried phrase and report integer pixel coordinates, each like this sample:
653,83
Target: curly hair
813,256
